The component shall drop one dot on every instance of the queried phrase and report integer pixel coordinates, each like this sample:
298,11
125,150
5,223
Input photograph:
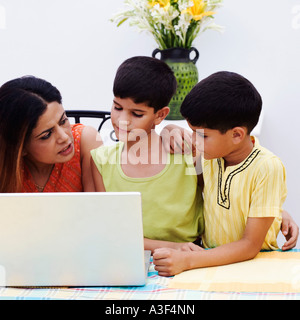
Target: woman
40,151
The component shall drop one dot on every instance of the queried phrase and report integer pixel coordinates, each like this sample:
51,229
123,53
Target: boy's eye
201,134
117,108
137,115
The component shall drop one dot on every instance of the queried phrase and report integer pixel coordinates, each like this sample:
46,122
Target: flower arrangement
173,23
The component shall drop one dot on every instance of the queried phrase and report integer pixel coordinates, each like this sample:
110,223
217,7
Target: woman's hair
145,80
22,102
223,101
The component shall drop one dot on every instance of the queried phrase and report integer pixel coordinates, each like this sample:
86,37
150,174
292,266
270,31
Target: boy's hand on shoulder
176,140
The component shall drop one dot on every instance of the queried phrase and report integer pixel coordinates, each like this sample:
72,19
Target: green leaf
121,22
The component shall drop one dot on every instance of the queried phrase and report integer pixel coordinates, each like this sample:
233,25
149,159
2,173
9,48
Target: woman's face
52,140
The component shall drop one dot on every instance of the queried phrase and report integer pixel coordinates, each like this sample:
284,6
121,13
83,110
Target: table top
156,288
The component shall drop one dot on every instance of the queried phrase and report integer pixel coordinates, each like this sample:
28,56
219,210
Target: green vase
186,74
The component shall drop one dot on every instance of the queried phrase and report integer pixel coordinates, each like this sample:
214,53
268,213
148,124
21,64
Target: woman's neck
40,172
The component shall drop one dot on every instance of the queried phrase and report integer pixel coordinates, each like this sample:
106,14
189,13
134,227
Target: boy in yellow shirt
172,205
244,183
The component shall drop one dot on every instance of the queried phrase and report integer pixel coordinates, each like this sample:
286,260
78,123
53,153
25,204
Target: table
156,288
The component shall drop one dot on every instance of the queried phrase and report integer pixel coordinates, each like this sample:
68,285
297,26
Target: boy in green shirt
172,203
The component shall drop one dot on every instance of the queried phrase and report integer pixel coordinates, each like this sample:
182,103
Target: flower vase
186,74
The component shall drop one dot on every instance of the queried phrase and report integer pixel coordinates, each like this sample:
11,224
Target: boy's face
130,119
212,144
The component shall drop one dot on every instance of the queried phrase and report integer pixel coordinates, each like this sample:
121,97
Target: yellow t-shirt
171,203
254,188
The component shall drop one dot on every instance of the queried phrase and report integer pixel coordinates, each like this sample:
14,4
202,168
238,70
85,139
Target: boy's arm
179,140
169,262
97,177
150,244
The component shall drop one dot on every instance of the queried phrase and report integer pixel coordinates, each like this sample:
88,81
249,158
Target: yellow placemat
268,272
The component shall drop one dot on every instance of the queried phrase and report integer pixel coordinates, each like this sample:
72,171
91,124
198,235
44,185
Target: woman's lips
67,150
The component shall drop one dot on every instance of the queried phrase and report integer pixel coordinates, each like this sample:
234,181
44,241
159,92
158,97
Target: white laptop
72,239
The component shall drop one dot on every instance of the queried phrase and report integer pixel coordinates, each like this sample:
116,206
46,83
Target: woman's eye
63,121
46,136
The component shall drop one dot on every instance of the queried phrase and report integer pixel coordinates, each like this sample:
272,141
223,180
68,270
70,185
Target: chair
78,114
104,115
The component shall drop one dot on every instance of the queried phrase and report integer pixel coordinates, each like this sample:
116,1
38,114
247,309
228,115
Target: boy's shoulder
265,155
260,159
110,148
104,154
267,161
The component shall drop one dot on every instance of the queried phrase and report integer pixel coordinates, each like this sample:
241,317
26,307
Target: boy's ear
239,134
161,115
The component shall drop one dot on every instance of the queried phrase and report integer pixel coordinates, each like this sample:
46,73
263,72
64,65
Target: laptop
72,239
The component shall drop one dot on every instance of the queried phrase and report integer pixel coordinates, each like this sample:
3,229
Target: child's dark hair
223,101
145,80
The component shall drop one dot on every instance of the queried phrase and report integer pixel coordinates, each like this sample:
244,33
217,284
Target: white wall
72,44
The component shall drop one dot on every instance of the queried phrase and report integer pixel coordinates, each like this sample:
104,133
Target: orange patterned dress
65,177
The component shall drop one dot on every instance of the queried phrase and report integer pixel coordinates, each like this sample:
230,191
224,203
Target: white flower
171,24
184,4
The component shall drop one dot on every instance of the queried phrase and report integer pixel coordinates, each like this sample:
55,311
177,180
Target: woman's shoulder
77,129
87,137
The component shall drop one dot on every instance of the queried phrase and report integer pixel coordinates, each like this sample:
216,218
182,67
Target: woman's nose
62,135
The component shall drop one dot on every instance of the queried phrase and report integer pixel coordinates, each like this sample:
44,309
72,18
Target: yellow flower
165,4
197,11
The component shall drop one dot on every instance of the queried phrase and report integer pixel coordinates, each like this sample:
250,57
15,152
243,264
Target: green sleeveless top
171,203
